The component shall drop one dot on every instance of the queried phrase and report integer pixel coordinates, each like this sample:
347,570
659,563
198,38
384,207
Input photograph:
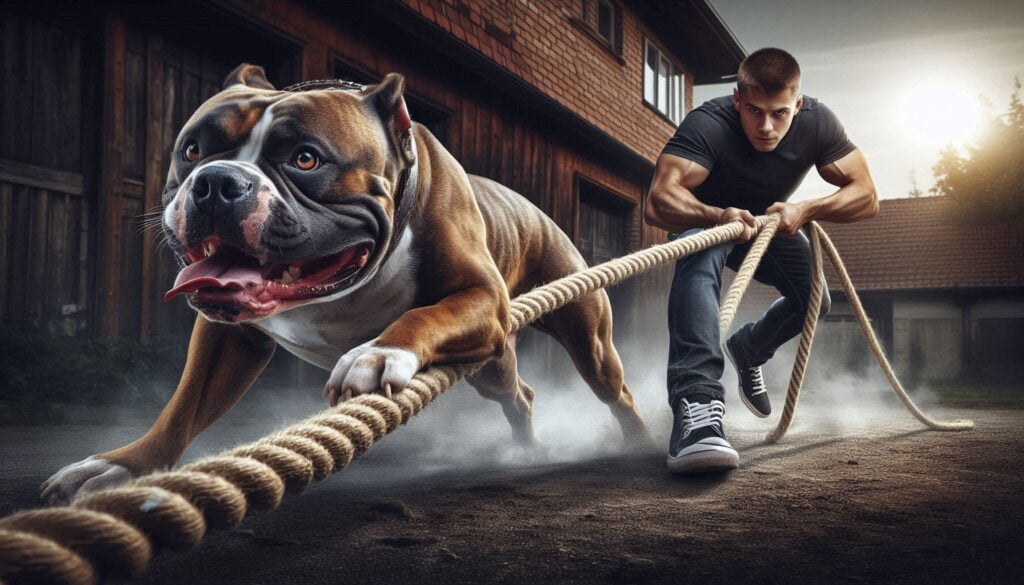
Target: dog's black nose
220,187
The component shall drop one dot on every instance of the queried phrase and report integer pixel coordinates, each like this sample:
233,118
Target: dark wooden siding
44,203
164,84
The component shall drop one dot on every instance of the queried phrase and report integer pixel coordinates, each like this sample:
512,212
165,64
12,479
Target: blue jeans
695,360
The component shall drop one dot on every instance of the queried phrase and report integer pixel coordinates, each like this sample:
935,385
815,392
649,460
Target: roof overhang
695,33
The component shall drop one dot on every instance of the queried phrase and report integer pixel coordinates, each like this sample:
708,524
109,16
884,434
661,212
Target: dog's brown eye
191,151
305,160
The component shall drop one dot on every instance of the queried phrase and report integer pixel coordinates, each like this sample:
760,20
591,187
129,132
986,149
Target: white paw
371,368
88,475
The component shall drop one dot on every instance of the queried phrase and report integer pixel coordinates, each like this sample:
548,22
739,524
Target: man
731,159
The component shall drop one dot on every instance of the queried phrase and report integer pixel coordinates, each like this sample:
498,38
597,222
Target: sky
904,76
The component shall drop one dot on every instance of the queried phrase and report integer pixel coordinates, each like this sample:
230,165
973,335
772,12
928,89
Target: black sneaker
697,443
752,389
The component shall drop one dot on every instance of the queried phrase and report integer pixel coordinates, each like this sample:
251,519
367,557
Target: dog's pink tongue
227,268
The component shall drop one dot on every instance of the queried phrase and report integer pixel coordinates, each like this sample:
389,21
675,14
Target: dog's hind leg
499,380
584,329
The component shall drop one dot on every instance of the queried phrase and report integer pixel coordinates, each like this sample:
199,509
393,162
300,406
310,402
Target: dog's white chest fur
320,333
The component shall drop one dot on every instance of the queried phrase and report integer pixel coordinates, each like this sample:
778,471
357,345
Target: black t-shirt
712,136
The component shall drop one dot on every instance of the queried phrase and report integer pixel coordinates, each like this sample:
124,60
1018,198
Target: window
663,84
606,21
603,18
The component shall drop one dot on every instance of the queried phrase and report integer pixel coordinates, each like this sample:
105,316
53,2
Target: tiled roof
916,244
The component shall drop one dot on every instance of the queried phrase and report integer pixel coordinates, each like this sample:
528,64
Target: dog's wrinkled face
277,199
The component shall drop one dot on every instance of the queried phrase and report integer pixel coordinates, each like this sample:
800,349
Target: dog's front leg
223,362
466,326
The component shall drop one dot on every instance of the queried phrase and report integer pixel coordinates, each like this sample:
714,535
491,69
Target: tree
988,183
915,191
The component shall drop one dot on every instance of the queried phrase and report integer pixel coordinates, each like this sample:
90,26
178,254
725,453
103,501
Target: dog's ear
387,100
250,75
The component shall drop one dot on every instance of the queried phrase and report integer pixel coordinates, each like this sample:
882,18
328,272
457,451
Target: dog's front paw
88,475
371,368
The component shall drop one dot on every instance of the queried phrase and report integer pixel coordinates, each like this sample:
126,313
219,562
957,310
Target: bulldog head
276,199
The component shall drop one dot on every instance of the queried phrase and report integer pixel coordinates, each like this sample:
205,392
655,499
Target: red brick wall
538,41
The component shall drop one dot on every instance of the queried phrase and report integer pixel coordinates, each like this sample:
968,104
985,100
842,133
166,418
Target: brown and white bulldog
323,220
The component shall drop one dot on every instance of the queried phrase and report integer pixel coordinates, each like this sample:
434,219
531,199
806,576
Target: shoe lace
756,380
699,415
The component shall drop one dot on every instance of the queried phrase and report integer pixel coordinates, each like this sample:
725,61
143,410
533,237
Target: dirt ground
886,503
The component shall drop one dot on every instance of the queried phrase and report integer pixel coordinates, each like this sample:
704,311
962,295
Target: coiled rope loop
117,531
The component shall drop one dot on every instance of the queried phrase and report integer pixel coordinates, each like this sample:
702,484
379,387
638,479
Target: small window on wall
663,83
604,17
606,21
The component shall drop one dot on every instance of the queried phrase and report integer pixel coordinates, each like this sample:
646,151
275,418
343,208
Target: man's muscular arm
856,199
671,205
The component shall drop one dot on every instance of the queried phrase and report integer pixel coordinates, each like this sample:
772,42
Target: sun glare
937,114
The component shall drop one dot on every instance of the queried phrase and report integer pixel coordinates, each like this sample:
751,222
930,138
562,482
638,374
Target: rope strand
803,351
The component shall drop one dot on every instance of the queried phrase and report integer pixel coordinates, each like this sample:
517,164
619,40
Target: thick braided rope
116,531
876,348
527,307
803,351
731,302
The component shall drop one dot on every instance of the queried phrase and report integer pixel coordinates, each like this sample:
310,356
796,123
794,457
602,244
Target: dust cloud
463,432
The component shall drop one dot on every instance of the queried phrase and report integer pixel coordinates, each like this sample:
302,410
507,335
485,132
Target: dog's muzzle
218,189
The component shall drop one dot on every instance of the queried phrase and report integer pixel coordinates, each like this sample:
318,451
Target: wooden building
568,102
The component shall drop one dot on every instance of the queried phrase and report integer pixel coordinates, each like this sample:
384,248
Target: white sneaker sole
709,459
739,387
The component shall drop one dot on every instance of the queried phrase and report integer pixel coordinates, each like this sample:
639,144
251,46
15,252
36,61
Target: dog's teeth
291,275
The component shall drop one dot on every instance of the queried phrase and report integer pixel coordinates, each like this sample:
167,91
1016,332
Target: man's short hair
769,70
